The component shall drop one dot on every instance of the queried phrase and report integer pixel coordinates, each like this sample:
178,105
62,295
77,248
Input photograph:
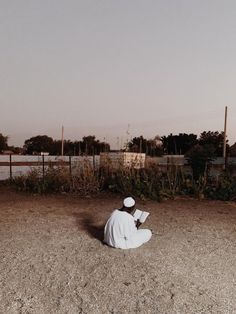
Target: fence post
10,157
94,163
70,165
43,168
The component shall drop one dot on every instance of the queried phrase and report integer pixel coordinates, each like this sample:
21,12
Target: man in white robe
121,230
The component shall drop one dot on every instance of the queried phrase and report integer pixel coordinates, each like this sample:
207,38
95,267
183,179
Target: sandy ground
52,259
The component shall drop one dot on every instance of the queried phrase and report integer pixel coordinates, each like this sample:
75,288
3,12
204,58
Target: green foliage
182,143
232,150
55,179
199,158
214,141
31,182
149,182
151,147
224,188
86,181
42,143
37,144
137,182
178,144
3,142
172,181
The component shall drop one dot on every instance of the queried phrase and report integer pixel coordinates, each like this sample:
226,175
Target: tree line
209,142
89,145
181,144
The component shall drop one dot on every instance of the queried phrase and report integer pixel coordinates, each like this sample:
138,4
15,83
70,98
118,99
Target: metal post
94,164
225,135
62,141
10,157
70,165
43,167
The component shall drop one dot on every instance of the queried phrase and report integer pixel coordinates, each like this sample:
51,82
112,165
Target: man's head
128,204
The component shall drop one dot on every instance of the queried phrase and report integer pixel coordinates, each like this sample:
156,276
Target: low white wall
76,161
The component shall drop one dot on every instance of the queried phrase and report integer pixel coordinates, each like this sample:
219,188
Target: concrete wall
21,164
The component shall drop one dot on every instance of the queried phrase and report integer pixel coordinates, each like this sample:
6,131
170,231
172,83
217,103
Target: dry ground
52,259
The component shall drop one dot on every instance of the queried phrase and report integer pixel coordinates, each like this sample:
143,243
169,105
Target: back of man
121,230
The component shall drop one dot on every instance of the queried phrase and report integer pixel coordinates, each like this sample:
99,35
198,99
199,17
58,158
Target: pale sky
160,66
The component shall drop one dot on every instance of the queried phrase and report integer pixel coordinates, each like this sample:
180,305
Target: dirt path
52,259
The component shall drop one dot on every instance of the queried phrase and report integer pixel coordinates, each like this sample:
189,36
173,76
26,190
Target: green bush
224,188
86,181
30,182
55,179
136,182
199,158
148,182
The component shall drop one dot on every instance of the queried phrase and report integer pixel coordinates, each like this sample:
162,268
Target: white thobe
121,232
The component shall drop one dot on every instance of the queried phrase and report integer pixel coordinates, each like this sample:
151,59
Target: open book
140,215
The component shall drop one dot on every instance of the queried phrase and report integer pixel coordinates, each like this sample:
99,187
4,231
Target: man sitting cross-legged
121,230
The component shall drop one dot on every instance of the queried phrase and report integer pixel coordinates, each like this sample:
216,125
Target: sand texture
52,259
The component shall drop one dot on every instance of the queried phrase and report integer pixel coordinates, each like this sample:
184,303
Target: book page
137,214
140,215
143,217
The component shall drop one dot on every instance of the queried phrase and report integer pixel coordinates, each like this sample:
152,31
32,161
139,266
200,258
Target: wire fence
16,165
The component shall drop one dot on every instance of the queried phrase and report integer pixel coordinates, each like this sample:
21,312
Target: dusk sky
98,66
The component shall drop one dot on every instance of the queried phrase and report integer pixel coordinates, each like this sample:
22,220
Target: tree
137,144
3,142
91,146
152,147
178,144
68,148
214,141
199,158
56,148
37,144
15,149
88,144
233,150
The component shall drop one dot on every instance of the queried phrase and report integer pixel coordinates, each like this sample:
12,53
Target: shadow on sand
85,221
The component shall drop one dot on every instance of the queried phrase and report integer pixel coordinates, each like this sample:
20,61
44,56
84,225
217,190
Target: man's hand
138,224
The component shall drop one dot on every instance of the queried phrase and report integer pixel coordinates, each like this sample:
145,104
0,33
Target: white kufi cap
129,202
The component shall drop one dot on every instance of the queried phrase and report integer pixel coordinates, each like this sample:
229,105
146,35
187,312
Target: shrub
172,181
137,182
30,182
55,179
148,182
199,158
224,188
86,180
